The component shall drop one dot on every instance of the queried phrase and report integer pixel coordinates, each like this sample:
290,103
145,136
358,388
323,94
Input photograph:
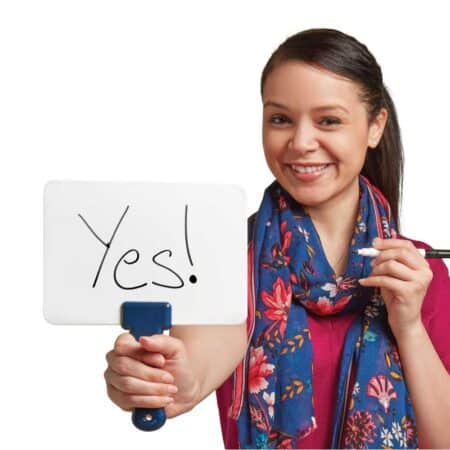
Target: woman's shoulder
417,243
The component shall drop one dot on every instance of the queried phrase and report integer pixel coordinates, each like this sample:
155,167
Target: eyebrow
318,108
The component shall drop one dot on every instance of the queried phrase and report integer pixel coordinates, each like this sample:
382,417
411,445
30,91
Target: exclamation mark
192,278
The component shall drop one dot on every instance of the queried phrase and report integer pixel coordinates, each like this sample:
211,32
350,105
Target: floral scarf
273,398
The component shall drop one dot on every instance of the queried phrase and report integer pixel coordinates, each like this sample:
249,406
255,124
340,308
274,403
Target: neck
335,222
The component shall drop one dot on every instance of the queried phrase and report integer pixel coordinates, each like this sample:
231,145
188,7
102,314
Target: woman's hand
403,276
152,373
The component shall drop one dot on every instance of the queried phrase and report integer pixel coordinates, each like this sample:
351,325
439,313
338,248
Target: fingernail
361,280
172,389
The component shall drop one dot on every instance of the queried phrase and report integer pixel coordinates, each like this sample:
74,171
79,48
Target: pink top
327,338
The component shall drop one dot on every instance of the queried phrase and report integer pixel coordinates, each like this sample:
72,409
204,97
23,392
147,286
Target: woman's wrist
408,332
196,394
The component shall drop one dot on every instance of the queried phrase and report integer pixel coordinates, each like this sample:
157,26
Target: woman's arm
215,351
404,277
428,385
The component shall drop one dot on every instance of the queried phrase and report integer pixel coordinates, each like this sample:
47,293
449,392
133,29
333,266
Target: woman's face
316,134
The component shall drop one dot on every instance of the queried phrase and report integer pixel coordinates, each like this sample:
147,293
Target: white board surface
108,242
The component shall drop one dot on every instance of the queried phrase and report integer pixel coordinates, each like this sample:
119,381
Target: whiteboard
107,242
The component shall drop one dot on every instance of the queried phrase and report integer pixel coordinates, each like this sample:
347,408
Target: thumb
168,346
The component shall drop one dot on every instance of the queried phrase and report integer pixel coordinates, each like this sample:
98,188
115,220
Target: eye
277,119
330,120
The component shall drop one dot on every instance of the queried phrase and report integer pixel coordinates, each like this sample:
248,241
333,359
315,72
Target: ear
376,128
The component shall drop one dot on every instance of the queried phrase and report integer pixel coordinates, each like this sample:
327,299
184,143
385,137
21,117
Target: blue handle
145,319
148,419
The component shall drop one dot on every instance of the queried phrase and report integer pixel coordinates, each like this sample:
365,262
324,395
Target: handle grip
145,319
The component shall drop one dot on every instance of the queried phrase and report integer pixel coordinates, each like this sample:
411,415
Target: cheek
359,153
270,142
273,147
349,150
274,144
271,157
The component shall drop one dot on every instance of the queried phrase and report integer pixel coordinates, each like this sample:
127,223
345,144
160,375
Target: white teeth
309,169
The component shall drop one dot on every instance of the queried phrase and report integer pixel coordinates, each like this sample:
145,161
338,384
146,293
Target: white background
161,91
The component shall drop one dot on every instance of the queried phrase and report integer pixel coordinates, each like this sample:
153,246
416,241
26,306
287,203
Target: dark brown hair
342,54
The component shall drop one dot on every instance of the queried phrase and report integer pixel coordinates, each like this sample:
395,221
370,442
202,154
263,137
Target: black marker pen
426,252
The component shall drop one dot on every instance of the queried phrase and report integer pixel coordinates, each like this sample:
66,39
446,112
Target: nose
303,139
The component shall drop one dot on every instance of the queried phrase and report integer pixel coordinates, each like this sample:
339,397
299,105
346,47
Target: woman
333,338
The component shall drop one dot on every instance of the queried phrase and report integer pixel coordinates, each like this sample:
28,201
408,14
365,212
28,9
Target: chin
303,197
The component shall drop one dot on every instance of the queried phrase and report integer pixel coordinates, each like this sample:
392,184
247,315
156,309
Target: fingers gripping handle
145,319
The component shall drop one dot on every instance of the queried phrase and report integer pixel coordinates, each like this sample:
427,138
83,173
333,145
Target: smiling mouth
310,173
309,169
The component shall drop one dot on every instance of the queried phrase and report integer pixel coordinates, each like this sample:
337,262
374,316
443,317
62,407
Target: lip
308,177
308,164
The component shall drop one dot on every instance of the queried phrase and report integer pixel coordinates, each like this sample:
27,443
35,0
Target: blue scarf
291,279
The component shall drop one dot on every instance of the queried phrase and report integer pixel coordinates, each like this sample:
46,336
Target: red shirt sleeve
436,307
